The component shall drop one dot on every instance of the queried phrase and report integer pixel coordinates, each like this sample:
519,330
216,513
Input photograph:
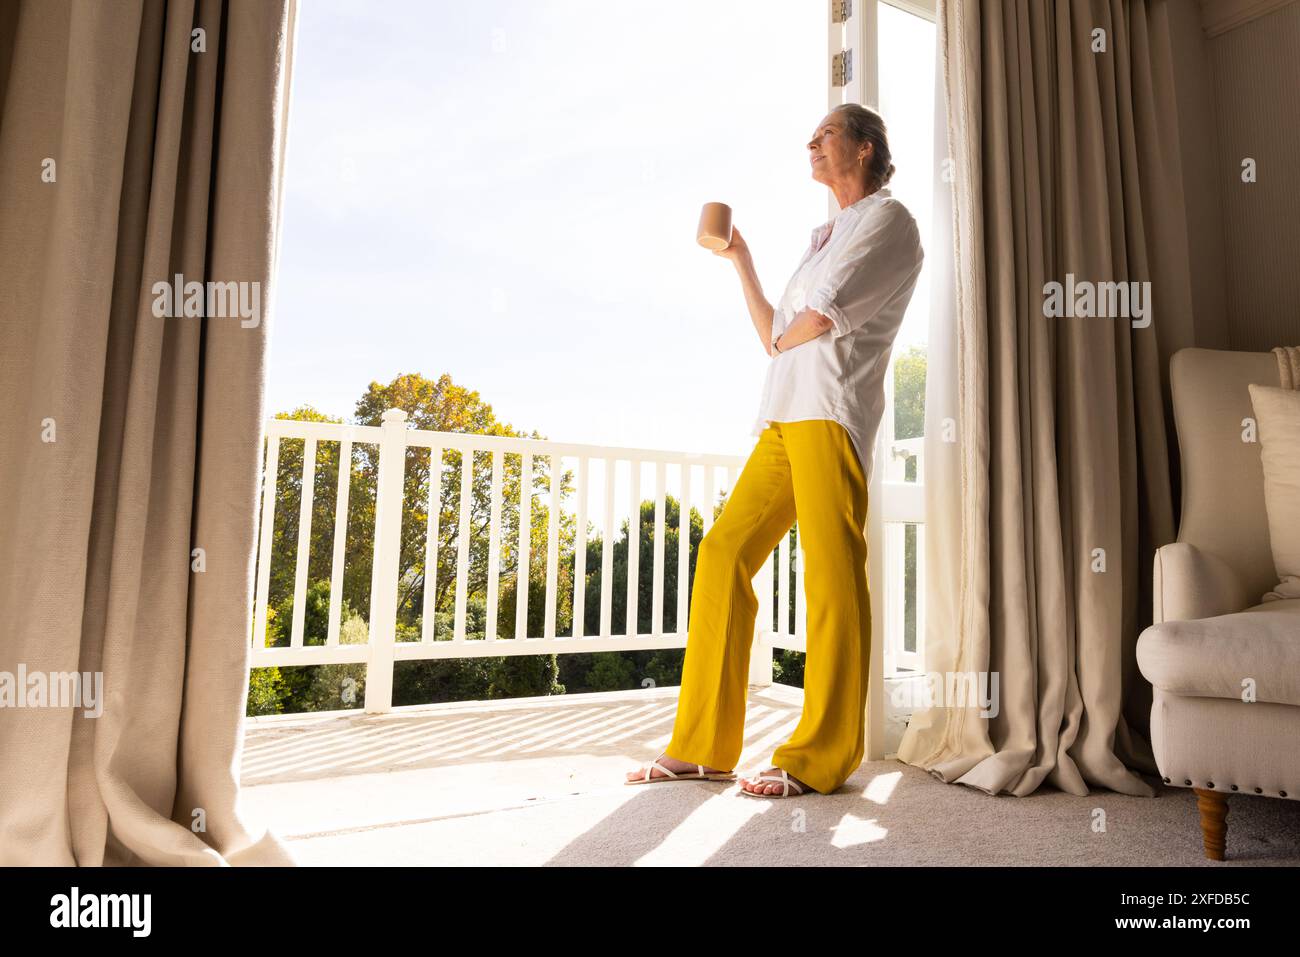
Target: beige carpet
538,782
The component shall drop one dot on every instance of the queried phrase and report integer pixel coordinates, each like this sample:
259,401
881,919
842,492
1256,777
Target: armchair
1224,664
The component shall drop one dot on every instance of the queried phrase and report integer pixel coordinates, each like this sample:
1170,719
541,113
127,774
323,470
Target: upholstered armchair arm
1193,583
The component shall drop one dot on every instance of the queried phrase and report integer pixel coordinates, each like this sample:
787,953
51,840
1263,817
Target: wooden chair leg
1213,806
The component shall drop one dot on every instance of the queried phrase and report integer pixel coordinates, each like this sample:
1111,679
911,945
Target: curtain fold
1048,480
140,141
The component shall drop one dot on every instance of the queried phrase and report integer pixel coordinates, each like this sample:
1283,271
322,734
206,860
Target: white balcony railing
382,649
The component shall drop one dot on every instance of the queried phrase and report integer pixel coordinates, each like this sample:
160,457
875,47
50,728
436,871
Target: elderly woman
829,338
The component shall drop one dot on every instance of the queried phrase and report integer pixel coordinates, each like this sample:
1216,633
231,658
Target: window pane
906,52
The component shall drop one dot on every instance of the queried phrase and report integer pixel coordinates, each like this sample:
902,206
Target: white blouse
862,280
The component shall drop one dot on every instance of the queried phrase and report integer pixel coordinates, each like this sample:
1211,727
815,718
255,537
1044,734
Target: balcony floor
538,781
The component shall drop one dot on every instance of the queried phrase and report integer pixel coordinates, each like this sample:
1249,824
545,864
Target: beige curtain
138,140
1051,487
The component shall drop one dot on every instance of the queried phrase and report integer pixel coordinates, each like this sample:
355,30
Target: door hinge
842,68
841,10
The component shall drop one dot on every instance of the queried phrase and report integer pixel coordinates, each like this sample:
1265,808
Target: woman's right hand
737,251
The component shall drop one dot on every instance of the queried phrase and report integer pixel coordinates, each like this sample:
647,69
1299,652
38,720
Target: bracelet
775,347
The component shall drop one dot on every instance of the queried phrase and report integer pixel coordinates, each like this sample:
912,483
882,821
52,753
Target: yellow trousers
809,470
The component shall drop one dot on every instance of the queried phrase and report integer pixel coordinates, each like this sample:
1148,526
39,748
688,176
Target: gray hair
866,126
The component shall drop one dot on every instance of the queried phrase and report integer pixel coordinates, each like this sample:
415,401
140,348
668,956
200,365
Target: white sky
508,193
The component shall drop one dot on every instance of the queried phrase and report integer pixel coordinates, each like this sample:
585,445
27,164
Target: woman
829,338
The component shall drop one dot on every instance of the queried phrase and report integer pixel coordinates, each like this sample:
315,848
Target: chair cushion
1277,412
1223,511
1212,657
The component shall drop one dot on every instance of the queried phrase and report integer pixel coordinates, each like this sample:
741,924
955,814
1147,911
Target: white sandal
699,774
786,785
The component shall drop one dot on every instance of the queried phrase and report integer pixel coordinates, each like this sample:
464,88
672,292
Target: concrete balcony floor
538,781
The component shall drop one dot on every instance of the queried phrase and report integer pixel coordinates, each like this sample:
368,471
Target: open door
880,53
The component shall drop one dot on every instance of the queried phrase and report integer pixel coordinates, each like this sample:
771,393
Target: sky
508,193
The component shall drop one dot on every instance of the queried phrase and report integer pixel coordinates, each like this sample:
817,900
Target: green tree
909,394
443,406
909,423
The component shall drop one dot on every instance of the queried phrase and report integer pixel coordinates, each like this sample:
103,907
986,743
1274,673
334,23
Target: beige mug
715,226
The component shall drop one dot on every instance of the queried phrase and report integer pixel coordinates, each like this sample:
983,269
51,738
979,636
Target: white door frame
860,33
